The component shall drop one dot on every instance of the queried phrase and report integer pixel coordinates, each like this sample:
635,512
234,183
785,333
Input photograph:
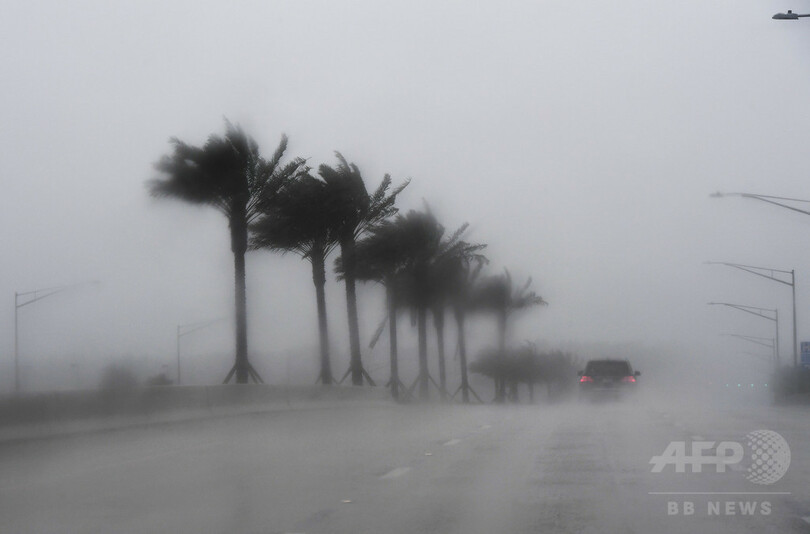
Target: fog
580,141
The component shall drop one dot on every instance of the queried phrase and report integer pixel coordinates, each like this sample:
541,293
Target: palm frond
295,215
358,211
227,173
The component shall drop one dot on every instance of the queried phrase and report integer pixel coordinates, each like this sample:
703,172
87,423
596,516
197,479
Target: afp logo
768,456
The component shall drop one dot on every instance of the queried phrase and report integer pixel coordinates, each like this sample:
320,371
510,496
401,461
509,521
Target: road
376,467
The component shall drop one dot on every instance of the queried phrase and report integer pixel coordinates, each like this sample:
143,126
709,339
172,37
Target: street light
759,312
766,198
186,329
790,15
30,297
770,274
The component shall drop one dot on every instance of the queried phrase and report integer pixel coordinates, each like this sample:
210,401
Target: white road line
395,473
806,519
452,442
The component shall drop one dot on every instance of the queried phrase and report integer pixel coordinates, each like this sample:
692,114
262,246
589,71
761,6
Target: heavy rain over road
381,467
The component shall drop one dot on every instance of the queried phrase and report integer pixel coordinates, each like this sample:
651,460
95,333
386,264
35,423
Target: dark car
607,378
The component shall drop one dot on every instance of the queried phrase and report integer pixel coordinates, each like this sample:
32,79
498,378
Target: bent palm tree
380,257
497,294
228,174
429,252
356,210
453,254
301,220
460,274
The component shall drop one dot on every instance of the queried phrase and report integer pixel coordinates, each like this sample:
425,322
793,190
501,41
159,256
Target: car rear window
608,368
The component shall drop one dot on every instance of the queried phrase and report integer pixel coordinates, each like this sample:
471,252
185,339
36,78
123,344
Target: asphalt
379,467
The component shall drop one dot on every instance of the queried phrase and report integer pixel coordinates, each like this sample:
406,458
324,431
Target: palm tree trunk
462,356
500,385
319,279
421,325
356,365
438,323
239,247
502,332
392,336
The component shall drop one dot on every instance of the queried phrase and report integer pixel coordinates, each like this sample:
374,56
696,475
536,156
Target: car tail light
586,379
629,379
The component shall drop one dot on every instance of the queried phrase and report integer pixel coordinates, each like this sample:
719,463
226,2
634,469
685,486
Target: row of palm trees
285,207
422,269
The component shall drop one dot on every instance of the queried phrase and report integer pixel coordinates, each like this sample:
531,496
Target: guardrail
73,405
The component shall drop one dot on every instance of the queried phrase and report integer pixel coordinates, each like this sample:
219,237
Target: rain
405,266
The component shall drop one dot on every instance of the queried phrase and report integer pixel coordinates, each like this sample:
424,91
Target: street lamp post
186,329
759,312
790,15
776,201
770,274
24,299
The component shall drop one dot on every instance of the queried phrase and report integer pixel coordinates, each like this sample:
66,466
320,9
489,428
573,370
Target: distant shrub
159,380
118,377
555,370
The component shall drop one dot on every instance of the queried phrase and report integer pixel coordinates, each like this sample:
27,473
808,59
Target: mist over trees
498,296
530,366
282,206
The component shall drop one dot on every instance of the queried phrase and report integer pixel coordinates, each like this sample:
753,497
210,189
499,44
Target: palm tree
421,236
429,252
380,257
498,295
448,267
356,210
461,273
228,174
301,219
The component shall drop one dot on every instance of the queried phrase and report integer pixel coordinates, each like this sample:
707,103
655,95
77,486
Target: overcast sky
580,140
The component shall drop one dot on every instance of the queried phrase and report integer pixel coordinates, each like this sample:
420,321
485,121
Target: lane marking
806,519
395,473
452,442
